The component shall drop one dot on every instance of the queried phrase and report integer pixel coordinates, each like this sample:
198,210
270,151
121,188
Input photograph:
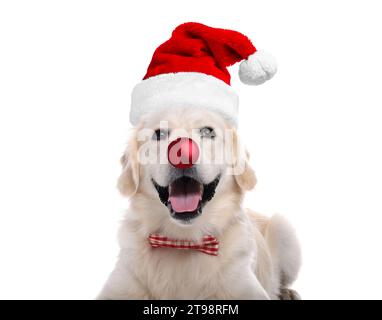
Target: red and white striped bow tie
208,245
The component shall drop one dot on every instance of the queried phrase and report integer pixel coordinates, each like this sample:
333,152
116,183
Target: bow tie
208,245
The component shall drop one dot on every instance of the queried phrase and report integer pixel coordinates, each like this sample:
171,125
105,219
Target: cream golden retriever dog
258,257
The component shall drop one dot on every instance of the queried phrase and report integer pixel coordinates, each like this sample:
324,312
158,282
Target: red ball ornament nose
183,153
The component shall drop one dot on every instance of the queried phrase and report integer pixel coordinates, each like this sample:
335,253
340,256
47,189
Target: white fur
285,248
258,68
185,89
257,256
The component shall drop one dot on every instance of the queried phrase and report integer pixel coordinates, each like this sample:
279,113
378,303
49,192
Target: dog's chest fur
168,273
172,274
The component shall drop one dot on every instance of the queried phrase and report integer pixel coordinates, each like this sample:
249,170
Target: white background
66,72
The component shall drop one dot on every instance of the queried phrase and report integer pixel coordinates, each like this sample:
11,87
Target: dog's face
185,197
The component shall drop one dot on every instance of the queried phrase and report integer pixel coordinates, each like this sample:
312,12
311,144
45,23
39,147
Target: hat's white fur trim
184,89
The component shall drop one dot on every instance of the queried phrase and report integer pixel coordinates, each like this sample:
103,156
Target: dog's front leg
242,285
247,287
123,285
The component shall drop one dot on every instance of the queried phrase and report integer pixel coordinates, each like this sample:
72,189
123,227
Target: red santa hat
190,69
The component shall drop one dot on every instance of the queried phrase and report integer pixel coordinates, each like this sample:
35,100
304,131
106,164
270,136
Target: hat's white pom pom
258,68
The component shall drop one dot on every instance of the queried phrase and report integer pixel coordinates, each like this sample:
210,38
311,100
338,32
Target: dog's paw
288,294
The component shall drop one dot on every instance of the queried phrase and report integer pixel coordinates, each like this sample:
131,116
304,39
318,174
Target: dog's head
195,197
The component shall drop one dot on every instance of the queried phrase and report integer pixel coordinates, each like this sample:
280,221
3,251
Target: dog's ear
247,179
244,175
129,179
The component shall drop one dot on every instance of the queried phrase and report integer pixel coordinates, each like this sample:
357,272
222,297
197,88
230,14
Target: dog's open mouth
185,197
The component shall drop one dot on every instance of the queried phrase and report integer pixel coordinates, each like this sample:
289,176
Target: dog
258,257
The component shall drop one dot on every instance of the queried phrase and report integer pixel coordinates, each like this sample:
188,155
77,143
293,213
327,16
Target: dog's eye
207,132
160,134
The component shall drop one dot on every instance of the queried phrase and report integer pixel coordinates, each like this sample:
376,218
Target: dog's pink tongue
185,202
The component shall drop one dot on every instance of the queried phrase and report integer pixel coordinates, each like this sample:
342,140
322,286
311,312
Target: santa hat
190,69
